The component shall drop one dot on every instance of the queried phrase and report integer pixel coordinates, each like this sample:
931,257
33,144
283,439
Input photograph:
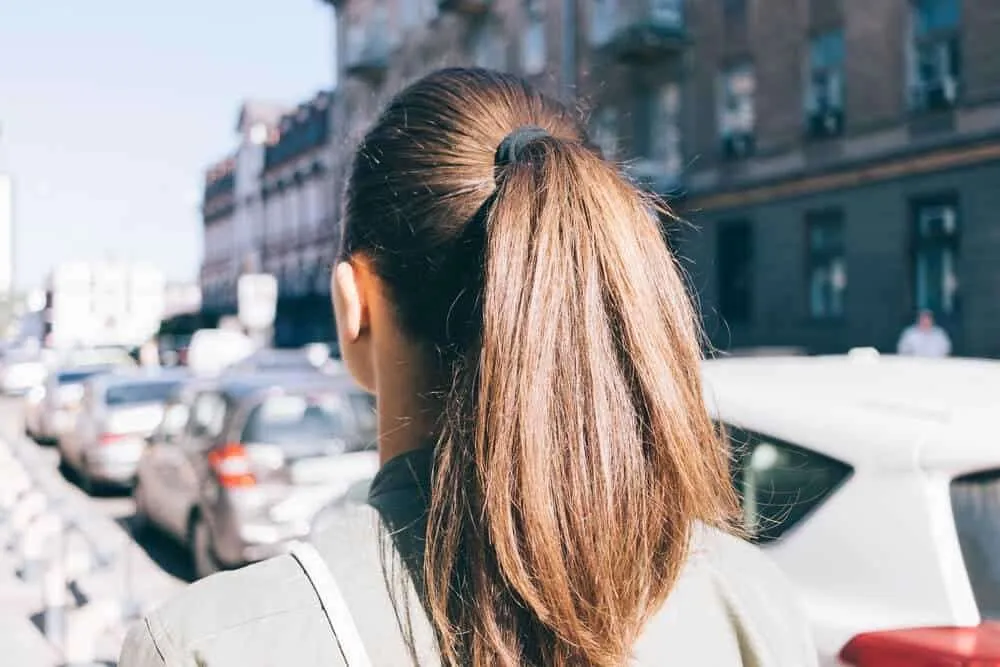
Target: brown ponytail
575,451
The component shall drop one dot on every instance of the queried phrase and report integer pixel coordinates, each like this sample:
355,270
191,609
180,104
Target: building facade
843,171
839,160
298,238
232,209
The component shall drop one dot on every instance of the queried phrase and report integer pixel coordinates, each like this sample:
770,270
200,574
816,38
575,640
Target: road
127,574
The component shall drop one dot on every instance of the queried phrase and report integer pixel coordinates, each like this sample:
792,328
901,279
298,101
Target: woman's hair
575,452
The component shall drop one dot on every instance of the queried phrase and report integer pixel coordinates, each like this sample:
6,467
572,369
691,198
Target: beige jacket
328,606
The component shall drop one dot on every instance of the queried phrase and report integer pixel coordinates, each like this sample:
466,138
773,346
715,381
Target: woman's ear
350,285
348,302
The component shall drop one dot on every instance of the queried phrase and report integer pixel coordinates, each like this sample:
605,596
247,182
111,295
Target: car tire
202,549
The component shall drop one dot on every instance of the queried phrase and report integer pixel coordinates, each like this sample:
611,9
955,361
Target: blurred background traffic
170,203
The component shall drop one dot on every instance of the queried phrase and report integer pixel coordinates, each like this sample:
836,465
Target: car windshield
139,392
975,501
294,419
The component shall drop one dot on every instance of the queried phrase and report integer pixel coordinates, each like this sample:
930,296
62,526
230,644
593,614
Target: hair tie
508,150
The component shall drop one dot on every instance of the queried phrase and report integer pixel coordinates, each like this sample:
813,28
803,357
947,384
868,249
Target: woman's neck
407,417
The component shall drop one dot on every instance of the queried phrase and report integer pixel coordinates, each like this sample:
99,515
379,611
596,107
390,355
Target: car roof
238,386
864,407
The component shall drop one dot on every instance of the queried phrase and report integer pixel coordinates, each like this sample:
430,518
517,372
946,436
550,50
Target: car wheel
202,549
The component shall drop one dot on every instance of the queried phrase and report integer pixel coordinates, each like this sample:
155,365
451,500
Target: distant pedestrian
924,339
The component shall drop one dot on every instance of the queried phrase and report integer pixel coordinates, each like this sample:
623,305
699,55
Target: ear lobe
352,311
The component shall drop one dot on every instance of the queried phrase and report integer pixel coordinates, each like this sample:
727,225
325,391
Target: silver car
118,413
59,402
239,469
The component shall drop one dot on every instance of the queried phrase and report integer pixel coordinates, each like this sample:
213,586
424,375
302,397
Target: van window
975,502
779,484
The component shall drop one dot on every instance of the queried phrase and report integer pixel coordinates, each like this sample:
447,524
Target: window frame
660,118
825,258
818,117
728,131
942,38
936,241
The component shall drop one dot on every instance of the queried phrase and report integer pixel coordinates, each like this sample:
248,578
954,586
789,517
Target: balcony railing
470,7
640,30
368,50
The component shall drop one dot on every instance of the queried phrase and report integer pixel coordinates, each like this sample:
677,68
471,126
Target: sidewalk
21,641
128,580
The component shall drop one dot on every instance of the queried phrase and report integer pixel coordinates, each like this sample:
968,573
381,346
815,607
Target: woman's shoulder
731,601
263,614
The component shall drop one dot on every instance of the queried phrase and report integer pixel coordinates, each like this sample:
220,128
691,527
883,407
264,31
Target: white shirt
917,342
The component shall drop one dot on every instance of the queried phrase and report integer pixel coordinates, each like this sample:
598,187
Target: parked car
239,467
874,482
118,413
20,372
295,360
53,412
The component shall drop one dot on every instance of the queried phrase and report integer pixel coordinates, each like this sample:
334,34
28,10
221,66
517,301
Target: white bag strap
333,603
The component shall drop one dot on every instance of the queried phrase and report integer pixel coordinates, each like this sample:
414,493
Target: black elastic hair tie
508,150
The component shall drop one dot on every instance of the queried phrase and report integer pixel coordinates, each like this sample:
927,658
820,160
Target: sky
110,111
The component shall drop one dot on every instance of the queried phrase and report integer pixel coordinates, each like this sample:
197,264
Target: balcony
639,30
467,7
367,53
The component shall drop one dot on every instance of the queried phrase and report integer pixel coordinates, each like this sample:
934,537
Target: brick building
843,170
840,159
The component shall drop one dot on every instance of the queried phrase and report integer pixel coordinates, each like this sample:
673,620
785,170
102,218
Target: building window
934,55
603,19
489,47
533,46
604,131
734,262
826,263
935,257
657,131
825,85
666,136
736,112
